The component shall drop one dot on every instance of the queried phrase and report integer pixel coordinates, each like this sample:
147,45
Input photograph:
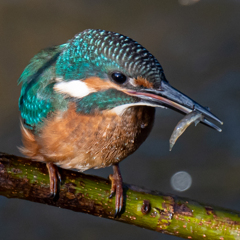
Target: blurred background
198,44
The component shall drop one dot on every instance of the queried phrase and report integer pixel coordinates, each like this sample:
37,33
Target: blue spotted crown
100,51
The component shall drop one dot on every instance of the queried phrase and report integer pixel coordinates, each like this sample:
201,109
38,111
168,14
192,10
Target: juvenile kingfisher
90,103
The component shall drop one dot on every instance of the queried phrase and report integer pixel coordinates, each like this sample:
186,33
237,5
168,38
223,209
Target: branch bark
25,179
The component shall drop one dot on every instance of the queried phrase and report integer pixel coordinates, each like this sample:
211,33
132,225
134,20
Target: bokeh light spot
181,181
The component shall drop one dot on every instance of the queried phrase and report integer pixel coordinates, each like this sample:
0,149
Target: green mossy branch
25,179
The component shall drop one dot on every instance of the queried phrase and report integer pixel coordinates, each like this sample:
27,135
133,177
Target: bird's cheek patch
99,84
74,88
82,88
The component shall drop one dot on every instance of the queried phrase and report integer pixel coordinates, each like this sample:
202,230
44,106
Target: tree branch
25,179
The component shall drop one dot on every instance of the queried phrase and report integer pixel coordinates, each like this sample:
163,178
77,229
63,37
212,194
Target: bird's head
102,70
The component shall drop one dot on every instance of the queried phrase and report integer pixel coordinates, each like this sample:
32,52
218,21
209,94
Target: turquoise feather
90,53
99,51
37,98
103,100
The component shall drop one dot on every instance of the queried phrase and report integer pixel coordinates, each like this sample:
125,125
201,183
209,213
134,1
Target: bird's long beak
169,97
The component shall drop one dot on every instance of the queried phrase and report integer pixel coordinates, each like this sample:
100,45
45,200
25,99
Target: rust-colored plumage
143,82
76,141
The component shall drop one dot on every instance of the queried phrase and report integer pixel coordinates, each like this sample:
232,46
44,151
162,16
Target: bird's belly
81,142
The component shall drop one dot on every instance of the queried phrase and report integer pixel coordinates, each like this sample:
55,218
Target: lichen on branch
29,180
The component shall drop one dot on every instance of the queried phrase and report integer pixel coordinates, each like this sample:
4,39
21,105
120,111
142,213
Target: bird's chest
82,142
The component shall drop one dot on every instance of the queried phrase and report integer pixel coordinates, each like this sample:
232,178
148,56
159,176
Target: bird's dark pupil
119,77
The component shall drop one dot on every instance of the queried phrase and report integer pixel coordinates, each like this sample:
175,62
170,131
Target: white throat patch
119,110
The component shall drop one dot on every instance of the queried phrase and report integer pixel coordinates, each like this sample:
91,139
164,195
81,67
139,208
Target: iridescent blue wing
37,97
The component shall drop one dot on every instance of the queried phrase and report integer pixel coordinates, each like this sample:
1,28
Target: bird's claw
113,186
117,189
111,195
59,177
52,195
55,178
118,206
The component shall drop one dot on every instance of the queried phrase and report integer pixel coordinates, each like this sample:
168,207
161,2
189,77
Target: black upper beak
170,97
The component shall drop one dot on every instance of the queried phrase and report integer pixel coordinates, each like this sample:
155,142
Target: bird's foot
117,188
55,178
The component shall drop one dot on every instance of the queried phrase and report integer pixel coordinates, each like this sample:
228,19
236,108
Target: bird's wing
37,97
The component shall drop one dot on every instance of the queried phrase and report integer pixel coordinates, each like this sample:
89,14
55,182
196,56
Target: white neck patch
119,110
74,88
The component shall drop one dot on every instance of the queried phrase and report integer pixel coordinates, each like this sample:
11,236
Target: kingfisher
90,103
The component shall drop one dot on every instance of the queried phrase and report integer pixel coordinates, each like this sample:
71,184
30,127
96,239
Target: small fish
182,125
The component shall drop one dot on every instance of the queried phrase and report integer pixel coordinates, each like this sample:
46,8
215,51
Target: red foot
117,188
54,177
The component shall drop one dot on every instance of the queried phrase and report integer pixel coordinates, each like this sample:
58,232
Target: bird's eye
118,77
